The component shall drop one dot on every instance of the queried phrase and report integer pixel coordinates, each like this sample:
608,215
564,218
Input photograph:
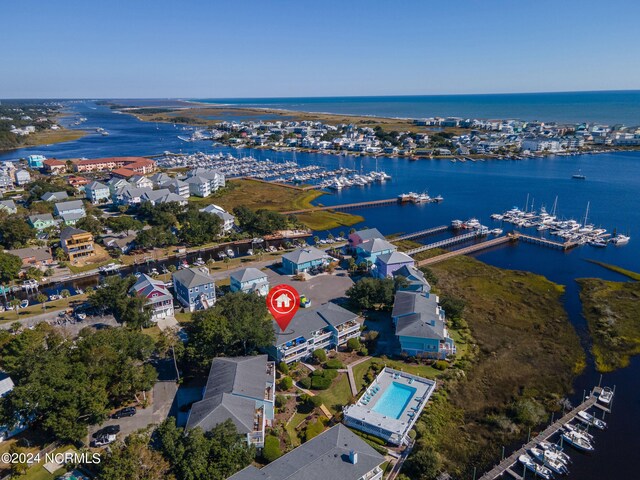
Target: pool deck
363,411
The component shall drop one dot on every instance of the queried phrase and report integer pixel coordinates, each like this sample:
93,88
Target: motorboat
577,441
554,448
605,396
591,420
456,224
579,431
199,262
549,460
620,239
496,231
24,303
230,253
540,470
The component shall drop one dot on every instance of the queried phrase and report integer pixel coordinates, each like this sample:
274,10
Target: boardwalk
545,242
466,250
421,233
345,206
507,463
447,242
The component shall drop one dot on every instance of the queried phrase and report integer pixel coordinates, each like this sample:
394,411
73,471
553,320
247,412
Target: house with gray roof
140,181
6,384
71,218
413,278
240,389
250,280
356,238
328,326
72,206
337,453
302,259
157,295
388,263
194,288
8,206
370,250
420,324
42,221
159,179
54,196
228,220
97,192
22,177
164,195
178,187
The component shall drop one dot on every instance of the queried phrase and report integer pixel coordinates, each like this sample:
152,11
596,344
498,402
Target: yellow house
76,243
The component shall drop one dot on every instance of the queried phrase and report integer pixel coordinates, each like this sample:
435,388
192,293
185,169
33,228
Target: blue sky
197,49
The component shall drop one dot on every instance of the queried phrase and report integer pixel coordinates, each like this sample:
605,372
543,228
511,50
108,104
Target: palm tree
15,303
65,293
316,239
227,260
42,298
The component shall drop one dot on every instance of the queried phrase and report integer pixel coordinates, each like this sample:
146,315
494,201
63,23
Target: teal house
250,280
370,250
36,161
302,259
42,221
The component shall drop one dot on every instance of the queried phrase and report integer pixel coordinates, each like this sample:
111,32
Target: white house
228,220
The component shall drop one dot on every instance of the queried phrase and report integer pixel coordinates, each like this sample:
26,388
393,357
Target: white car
103,440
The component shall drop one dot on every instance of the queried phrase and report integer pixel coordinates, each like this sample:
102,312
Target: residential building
250,280
6,384
158,179
54,196
55,167
72,206
370,250
413,279
33,257
420,324
135,165
77,182
240,389
328,327
8,206
228,220
116,184
42,221
178,187
157,295
6,183
123,243
388,263
22,177
203,182
71,218
76,243
130,195
199,186
302,259
139,181
36,161
161,196
97,193
356,238
337,453
194,288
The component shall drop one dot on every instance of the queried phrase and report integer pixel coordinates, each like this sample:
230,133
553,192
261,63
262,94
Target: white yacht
576,440
555,449
549,460
541,471
591,420
620,239
606,395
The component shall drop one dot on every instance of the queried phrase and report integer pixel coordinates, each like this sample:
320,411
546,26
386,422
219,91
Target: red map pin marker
283,302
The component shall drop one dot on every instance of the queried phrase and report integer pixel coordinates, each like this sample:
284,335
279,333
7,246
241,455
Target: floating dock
447,242
422,233
545,242
346,206
507,465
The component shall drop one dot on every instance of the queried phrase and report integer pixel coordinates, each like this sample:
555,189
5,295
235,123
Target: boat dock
508,463
346,206
447,242
463,251
545,242
422,233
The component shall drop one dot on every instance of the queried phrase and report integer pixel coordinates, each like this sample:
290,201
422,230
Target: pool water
394,400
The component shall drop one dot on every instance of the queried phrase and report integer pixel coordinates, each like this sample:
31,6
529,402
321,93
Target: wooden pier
447,242
346,206
421,233
545,241
463,251
507,465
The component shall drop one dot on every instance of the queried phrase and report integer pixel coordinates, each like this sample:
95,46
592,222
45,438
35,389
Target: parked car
103,440
125,412
108,430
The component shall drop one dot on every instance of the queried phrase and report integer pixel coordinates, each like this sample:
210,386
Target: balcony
349,326
373,474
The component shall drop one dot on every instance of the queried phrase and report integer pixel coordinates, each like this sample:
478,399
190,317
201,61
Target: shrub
334,363
313,429
320,355
271,450
305,382
330,374
364,351
286,383
281,401
440,365
320,383
283,368
318,373
353,344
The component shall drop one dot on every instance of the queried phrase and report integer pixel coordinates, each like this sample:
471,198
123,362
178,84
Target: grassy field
47,137
30,311
526,354
257,195
338,395
611,311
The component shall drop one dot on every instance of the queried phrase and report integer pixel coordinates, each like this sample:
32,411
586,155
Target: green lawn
10,316
296,420
425,371
338,395
622,271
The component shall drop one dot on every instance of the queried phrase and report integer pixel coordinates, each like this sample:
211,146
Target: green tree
271,450
124,223
423,464
114,297
135,459
353,344
60,255
15,303
157,236
320,355
64,293
249,321
91,224
370,293
10,266
42,298
15,232
198,228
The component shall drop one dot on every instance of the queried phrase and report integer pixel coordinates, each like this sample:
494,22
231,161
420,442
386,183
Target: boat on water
620,239
496,231
539,470
456,224
577,441
606,395
578,176
555,449
24,303
579,431
30,284
591,420
549,460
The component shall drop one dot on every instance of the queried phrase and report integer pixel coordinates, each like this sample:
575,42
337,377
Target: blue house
250,280
302,259
36,161
420,325
413,278
194,288
388,263
370,250
97,193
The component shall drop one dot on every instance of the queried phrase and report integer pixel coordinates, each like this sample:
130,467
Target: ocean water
471,189
565,107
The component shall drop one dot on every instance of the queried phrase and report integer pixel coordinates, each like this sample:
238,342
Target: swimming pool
394,400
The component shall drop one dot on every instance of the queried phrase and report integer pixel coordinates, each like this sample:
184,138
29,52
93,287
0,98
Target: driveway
318,288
